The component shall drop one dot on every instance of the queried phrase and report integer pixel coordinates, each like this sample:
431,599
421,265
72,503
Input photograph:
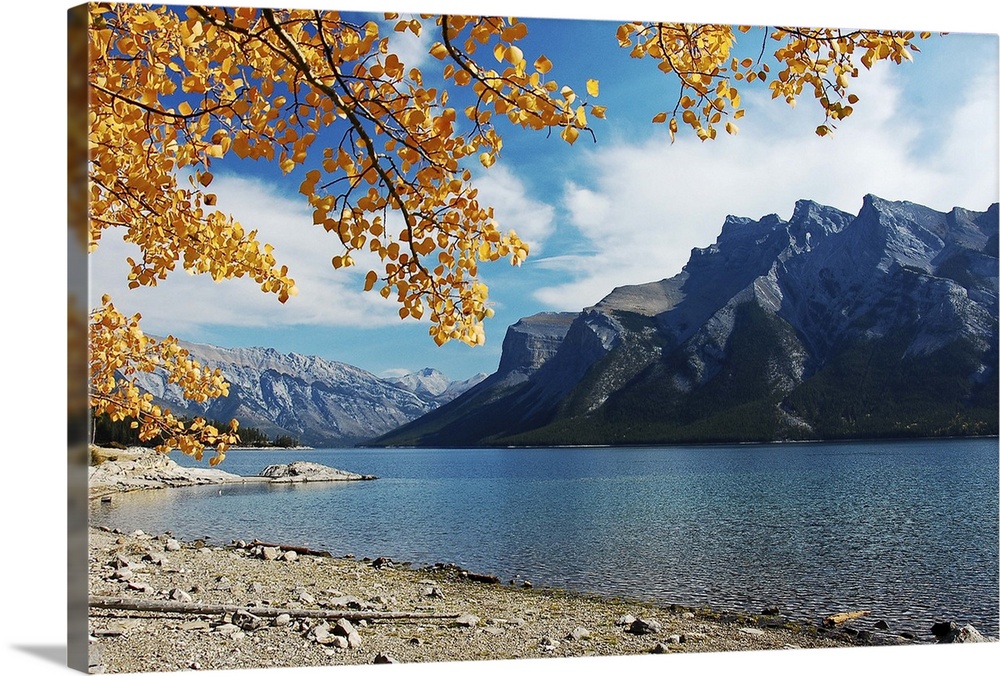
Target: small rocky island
137,468
302,471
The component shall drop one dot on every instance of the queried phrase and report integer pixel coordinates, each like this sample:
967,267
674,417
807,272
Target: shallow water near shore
905,529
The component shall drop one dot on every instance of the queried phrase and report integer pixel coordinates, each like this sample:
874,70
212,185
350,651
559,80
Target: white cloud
327,297
412,50
648,203
514,210
394,373
969,128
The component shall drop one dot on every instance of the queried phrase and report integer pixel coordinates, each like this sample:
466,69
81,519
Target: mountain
827,326
433,386
322,403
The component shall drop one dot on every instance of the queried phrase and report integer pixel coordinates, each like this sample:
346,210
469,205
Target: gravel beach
468,620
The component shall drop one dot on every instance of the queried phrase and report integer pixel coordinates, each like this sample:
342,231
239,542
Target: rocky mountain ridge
433,386
320,402
829,325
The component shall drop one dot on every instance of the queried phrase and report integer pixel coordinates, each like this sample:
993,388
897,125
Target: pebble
179,595
248,621
141,587
467,620
548,643
195,625
156,558
644,626
321,634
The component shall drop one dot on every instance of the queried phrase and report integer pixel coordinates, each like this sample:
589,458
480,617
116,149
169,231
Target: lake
906,529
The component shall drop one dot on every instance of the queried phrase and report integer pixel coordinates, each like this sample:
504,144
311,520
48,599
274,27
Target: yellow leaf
543,65
569,134
592,87
438,51
660,118
370,280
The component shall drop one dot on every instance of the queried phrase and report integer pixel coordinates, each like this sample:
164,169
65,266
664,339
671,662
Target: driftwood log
839,618
146,605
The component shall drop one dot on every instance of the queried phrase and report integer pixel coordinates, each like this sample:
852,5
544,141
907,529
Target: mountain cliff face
829,325
319,402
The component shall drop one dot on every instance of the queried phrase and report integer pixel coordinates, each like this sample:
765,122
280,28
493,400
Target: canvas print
424,338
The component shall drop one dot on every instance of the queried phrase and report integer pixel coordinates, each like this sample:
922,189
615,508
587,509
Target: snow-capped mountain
319,402
431,385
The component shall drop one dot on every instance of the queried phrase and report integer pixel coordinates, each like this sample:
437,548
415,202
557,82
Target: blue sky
624,210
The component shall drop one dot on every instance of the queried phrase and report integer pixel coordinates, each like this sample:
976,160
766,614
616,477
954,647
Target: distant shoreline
271,448
697,444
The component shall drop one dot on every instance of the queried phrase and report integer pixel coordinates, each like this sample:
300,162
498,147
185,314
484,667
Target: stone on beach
643,626
467,620
248,621
950,632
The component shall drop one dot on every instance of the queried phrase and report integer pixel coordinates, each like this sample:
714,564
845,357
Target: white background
33,540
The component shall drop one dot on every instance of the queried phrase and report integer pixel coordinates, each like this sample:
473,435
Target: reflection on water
905,529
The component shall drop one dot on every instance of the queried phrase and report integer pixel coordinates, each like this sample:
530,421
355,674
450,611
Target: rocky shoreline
135,468
158,604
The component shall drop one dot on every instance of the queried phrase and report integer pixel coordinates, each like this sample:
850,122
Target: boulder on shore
950,632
